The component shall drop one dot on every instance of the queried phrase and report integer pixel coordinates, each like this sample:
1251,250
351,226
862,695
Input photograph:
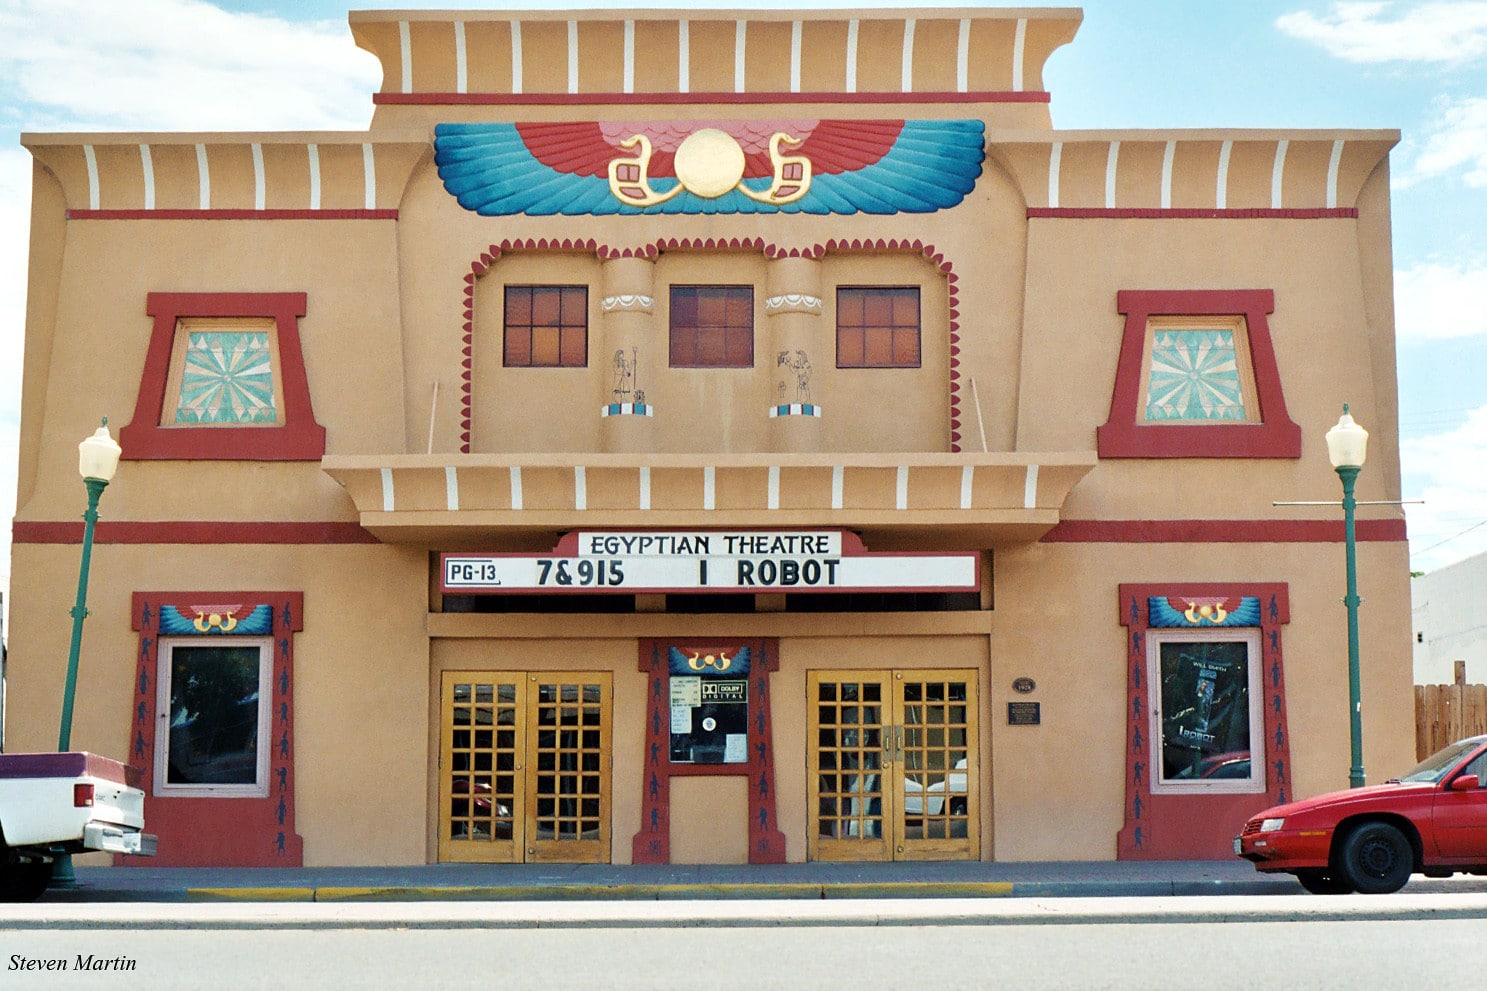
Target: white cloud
1452,471
1455,140
1435,31
180,65
1436,301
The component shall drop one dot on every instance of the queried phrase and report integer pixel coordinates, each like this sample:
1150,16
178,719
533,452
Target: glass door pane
850,806
481,759
568,791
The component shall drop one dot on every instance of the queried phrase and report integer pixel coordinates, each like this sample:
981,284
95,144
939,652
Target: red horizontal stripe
1131,213
193,532
1219,531
232,215
587,99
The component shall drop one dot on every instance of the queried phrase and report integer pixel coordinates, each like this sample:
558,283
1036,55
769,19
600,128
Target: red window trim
299,439
1121,436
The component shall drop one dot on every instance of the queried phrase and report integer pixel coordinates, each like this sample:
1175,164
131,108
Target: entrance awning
925,500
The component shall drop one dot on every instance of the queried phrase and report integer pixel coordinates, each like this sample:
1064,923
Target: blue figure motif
1275,674
1136,806
760,721
655,753
281,842
655,824
1135,612
139,712
284,651
1137,770
139,744
144,648
1274,610
283,712
284,746
763,818
655,687
761,750
1136,739
763,785
1138,837
283,779
1274,640
656,721
283,681
1136,641
282,809
1280,737
144,617
286,617
655,785
1275,704
1136,707
144,681
1136,675
1280,770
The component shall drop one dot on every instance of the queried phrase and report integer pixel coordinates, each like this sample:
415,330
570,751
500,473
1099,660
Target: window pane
546,305
849,347
518,346
1205,709
214,715
849,307
574,348
877,307
518,304
906,346
1194,376
575,306
544,345
906,308
877,351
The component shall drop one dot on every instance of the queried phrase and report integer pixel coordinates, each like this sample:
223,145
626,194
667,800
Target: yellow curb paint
250,894
919,889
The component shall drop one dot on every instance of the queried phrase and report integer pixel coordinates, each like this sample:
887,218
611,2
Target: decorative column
631,347
797,342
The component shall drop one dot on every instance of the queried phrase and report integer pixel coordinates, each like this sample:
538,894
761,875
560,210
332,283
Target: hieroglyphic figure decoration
626,385
800,364
629,178
792,173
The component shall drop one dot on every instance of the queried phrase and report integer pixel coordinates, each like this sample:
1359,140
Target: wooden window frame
297,437
170,407
530,328
864,329
259,788
1250,637
696,330
1127,435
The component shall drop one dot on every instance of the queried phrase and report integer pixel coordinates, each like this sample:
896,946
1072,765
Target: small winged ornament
807,166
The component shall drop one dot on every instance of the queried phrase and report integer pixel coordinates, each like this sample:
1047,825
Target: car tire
1323,883
24,881
1376,859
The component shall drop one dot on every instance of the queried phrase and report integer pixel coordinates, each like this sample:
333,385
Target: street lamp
1347,447
97,460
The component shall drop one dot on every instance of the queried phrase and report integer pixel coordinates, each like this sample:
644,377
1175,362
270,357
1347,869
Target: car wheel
24,881
1376,859
1323,883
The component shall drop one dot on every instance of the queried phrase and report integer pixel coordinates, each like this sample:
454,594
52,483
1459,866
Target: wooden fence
1446,713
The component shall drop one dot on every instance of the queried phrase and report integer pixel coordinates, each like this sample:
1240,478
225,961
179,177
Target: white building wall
1450,622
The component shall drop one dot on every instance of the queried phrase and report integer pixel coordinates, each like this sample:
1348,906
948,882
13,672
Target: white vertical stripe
963,56
836,486
795,31
906,83
1167,155
260,196
204,177
580,488
629,82
774,486
1054,158
1111,161
683,57
405,46
1019,45
709,488
369,175
92,176
147,166
387,497
451,489
645,487
1332,165
852,56
901,497
740,44
314,153
516,499
1030,488
1277,173
516,56
461,60
1221,185
573,54
967,474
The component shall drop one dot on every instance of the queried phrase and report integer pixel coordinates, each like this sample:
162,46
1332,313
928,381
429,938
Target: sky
1419,66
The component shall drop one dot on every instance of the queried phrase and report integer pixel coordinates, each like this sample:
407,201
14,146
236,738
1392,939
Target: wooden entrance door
894,765
524,766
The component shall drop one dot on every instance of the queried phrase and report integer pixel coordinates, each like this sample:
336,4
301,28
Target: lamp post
97,460
1347,447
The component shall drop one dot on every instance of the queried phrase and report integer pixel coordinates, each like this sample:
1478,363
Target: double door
524,766
894,765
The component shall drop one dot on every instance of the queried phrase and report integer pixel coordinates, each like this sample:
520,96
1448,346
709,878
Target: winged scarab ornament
804,166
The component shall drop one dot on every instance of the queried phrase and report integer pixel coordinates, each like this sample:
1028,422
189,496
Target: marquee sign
709,561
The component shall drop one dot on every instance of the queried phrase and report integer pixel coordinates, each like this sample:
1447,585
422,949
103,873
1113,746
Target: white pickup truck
53,804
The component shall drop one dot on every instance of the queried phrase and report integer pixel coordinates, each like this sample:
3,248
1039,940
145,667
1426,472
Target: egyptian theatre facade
710,437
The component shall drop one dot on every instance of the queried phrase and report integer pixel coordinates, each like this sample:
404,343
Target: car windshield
1434,767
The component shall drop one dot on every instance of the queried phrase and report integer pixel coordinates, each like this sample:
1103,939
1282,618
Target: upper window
1197,378
712,326
224,378
224,373
1197,370
877,327
1207,715
214,699
547,327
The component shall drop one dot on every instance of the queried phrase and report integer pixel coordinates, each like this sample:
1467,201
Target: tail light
82,796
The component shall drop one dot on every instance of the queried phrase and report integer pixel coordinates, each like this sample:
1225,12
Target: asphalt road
1401,941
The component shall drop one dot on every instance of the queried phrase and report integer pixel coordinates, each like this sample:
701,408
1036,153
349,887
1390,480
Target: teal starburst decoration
228,378
1194,376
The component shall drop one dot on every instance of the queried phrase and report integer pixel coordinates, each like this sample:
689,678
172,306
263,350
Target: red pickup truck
53,804
1431,821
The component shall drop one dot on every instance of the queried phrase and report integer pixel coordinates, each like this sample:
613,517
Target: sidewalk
605,882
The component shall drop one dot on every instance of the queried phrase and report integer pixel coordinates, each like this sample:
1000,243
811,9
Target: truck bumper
117,839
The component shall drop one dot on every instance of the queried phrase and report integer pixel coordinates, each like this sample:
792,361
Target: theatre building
709,437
